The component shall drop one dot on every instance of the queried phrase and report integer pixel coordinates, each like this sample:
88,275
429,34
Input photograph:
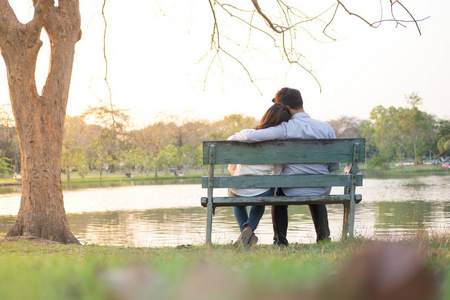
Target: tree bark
40,118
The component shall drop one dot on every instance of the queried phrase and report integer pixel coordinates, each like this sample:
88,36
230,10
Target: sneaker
280,242
253,241
245,237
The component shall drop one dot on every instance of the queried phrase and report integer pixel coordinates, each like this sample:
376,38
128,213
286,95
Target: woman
248,223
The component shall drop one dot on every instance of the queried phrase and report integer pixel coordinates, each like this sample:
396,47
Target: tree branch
40,12
274,27
287,26
353,14
412,17
7,19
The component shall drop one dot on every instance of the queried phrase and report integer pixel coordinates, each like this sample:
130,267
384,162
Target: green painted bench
345,151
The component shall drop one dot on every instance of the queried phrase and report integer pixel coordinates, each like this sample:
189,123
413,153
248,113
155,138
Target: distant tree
113,124
189,156
367,132
168,157
231,124
346,127
193,131
75,145
396,132
5,165
9,143
385,130
134,159
73,157
153,139
441,138
443,145
417,128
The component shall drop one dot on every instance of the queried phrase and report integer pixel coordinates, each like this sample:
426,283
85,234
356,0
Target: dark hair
275,115
289,97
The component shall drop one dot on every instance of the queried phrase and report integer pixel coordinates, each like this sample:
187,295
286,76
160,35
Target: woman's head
275,115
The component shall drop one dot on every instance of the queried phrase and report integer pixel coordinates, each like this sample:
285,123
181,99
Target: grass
420,169
34,270
94,177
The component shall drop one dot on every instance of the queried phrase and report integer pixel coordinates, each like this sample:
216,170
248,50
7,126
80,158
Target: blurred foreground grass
43,270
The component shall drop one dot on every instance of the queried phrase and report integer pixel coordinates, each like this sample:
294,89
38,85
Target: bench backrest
282,152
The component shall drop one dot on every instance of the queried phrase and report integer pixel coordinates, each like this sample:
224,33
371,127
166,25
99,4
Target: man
301,125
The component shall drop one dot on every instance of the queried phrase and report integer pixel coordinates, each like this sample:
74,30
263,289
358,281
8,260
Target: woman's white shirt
259,170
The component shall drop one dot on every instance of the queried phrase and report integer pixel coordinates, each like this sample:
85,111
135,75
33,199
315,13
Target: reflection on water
10,189
165,181
67,186
167,215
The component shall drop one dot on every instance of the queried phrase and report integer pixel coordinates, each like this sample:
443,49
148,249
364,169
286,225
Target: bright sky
154,50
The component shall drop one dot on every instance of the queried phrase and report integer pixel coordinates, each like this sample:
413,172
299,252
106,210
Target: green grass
8,181
94,177
405,170
31,270
120,176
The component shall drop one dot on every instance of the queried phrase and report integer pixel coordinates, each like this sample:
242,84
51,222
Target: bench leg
345,225
209,215
352,219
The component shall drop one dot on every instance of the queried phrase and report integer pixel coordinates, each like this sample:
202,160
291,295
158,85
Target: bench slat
282,181
281,200
293,151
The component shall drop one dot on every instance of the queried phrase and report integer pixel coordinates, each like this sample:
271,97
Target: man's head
290,98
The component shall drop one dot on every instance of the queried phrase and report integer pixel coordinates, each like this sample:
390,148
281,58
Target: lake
147,215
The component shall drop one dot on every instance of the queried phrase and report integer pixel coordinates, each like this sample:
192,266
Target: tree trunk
40,119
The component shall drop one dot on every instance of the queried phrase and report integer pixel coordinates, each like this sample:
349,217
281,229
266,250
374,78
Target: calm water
168,215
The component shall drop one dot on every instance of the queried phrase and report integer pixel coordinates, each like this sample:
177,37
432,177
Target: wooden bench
345,151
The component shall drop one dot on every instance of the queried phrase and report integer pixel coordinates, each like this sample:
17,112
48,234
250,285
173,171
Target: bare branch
401,21
245,69
274,27
215,27
328,24
244,21
372,24
353,14
287,26
106,79
209,68
412,17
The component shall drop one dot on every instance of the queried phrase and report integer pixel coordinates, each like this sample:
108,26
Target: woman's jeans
256,212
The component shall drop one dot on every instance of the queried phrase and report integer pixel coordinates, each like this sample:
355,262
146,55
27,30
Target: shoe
280,242
253,241
245,237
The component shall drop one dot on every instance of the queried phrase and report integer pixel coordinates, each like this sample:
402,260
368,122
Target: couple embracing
285,119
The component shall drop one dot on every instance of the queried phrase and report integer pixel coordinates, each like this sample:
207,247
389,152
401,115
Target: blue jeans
256,212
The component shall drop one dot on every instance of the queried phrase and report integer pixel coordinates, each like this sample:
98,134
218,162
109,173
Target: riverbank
94,177
42,270
406,170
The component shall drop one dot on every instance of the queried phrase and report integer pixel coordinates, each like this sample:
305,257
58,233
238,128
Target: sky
158,59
